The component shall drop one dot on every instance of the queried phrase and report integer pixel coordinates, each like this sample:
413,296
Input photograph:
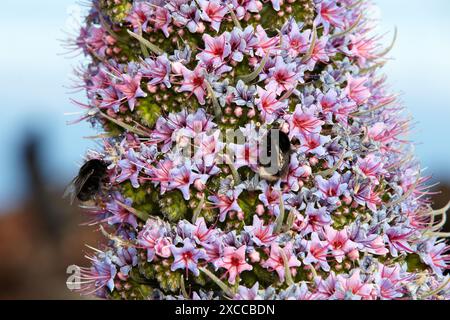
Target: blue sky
34,75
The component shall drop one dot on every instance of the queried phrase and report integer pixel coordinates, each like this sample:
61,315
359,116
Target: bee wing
74,188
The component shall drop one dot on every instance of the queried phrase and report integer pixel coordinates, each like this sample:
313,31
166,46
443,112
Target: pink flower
162,247
437,256
162,20
275,261
357,90
398,239
362,47
264,44
302,123
149,237
319,53
352,287
339,242
270,197
243,6
187,257
367,196
234,261
370,167
326,289
182,178
268,105
317,252
262,235
140,15
216,50
130,87
246,155
213,12
195,83
282,77
375,245
160,175
245,293
296,42
199,122
388,281
226,203
330,14
316,218
313,144
203,234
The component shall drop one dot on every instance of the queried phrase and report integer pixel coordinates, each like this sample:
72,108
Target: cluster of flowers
350,219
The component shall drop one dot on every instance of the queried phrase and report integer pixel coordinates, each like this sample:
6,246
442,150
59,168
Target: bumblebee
89,181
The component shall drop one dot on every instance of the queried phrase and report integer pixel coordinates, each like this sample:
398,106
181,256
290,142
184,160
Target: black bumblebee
275,156
89,182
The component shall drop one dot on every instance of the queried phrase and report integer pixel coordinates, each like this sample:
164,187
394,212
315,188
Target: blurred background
40,234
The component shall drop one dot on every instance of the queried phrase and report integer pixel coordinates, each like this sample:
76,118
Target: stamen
388,49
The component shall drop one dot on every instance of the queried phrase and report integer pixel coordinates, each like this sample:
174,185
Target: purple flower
316,219
330,190
126,259
100,275
140,15
398,239
158,71
187,257
188,15
436,255
120,215
130,167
